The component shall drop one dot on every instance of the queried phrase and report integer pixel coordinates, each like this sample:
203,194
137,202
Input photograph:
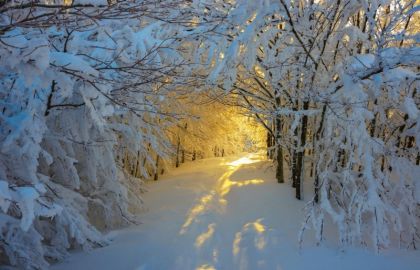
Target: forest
105,103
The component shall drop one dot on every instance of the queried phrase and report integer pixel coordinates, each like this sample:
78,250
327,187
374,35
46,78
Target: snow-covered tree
84,86
339,78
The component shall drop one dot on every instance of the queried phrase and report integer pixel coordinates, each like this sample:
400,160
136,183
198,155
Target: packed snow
226,213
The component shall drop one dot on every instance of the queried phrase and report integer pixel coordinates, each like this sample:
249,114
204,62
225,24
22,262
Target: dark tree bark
157,168
294,156
279,152
317,137
270,144
301,153
178,144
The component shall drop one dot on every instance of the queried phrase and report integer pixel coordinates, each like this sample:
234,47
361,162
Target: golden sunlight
215,198
202,238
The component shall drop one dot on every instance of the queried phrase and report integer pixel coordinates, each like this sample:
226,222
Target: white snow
27,195
91,2
226,213
72,62
410,108
5,197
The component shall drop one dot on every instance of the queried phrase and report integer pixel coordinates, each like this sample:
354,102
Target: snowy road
225,213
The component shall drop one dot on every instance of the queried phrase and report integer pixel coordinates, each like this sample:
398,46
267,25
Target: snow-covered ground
226,213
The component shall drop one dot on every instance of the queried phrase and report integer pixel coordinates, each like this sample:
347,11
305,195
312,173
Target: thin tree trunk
279,149
301,153
294,155
177,152
269,145
317,137
157,168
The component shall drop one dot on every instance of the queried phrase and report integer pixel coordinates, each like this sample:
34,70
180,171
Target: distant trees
214,129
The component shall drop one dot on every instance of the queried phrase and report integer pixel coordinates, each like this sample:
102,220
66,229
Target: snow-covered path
225,213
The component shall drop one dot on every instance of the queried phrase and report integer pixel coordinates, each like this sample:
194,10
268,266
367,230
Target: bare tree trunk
312,169
294,155
301,153
317,137
269,145
279,150
157,168
177,152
